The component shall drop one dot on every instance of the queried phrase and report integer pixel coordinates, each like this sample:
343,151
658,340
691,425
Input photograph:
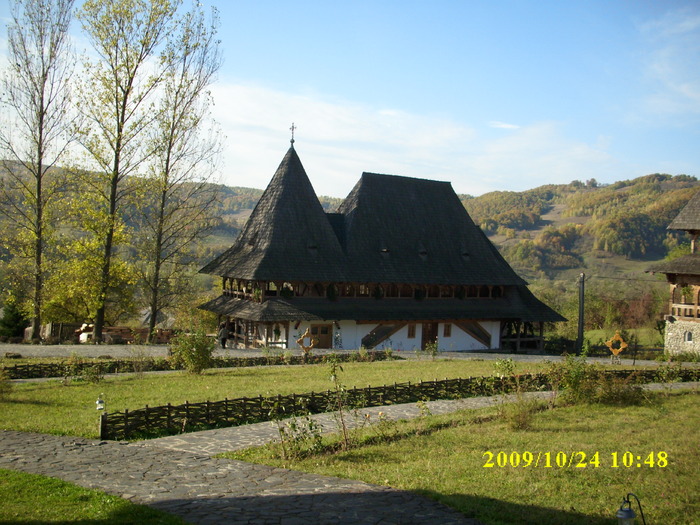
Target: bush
519,414
192,351
13,321
578,381
5,384
623,391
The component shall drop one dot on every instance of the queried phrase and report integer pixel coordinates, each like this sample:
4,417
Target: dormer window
423,253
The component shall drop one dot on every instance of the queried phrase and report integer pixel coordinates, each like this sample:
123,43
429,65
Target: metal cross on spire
292,128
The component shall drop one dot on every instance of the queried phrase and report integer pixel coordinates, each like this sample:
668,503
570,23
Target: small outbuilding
400,264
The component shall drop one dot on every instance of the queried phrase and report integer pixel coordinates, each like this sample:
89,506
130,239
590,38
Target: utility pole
579,339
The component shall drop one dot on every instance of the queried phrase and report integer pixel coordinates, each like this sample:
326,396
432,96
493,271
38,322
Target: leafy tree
177,209
126,35
35,132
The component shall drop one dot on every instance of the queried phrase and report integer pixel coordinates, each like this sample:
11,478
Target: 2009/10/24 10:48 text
575,459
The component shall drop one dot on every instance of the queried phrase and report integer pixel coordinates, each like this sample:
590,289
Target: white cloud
338,140
673,64
502,125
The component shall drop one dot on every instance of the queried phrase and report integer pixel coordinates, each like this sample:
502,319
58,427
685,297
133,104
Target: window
411,331
447,330
347,290
688,337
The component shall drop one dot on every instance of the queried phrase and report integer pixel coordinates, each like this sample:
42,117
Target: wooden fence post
103,426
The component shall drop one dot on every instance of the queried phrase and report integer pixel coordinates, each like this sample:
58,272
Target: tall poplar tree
127,36
36,130
178,207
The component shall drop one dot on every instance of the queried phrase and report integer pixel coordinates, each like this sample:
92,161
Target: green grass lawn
51,407
444,457
29,498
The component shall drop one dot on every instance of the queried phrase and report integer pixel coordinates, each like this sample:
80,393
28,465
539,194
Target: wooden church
399,265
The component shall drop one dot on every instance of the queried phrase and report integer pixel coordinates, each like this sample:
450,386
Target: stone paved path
205,490
178,475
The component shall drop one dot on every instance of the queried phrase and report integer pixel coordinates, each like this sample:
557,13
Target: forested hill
556,229
551,230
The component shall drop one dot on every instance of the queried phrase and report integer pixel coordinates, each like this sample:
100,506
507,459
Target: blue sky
490,95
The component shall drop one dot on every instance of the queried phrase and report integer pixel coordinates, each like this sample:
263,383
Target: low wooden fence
175,419
77,366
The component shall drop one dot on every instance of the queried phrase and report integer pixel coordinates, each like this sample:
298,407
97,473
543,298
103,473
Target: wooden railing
683,310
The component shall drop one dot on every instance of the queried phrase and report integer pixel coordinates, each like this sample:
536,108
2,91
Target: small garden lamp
625,515
100,403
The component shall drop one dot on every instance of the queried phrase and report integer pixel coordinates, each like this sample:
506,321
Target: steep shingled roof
288,235
407,230
688,218
521,306
685,265
389,229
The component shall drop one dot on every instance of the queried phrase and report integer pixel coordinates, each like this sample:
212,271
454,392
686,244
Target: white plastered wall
348,336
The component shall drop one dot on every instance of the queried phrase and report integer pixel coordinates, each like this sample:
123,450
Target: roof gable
403,229
688,218
288,235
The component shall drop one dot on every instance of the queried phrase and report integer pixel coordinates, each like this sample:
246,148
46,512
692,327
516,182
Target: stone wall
682,336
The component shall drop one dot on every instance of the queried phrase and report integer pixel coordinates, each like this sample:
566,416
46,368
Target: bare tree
37,98
127,36
179,208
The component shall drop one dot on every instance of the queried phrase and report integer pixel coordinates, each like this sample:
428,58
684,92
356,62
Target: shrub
79,369
5,384
623,391
504,367
192,351
12,322
92,373
519,414
578,381
140,361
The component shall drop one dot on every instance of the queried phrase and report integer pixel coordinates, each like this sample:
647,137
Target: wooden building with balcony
400,264
682,332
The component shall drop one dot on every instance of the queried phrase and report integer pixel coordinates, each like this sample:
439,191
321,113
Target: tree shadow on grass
385,506
492,510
